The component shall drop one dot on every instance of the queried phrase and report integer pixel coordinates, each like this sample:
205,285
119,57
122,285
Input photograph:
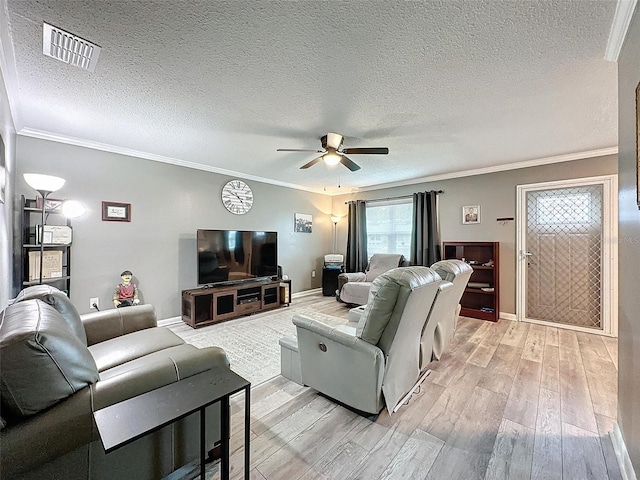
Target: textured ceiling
448,86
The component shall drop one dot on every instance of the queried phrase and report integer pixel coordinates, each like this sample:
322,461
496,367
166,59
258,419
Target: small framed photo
470,214
116,212
303,223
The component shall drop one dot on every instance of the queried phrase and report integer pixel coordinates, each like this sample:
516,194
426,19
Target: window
389,227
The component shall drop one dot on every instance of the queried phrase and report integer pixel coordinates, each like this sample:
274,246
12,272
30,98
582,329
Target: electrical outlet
94,301
313,274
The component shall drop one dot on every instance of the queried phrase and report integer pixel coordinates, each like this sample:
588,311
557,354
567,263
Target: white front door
566,254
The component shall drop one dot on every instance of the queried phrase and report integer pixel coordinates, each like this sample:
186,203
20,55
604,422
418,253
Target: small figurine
126,294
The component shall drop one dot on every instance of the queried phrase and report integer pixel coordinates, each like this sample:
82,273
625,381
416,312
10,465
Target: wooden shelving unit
476,302
204,306
31,217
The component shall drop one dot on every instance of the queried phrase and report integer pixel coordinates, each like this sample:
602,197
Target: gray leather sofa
353,288
378,362
57,367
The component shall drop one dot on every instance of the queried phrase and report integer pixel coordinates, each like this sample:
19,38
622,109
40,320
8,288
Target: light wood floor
509,400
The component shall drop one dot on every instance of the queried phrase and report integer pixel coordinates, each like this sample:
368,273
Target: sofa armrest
353,276
45,436
350,277
325,353
107,324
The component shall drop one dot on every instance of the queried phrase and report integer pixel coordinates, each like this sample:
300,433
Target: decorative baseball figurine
126,294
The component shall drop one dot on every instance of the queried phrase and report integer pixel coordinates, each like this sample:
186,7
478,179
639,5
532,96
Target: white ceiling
448,86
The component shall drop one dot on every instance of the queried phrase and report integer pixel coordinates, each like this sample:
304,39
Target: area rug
251,343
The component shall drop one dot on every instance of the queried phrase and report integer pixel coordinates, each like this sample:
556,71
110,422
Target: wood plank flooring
508,401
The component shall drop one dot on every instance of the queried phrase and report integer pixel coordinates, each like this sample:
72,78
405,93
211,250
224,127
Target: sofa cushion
42,359
119,350
60,302
185,359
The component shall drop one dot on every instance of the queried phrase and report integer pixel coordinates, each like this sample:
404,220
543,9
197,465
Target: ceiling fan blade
298,150
311,163
350,164
370,151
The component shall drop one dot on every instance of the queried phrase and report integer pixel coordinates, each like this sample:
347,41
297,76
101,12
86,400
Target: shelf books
51,265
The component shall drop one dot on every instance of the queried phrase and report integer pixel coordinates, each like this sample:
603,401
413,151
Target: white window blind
389,227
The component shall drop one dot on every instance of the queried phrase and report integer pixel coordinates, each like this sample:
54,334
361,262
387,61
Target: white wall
629,246
496,195
6,210
168,205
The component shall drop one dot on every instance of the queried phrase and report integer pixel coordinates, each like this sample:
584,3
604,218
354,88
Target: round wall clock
237,197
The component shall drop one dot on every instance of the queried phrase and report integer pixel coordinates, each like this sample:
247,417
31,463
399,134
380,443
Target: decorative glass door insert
563,250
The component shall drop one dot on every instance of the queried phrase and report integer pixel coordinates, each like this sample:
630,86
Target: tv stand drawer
248,307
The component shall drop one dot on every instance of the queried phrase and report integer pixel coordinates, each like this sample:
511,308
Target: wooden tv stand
208,305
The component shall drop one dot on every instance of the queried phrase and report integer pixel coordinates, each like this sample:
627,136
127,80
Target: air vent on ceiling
69,48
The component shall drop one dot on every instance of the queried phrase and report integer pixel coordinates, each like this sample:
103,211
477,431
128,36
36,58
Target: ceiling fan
334,153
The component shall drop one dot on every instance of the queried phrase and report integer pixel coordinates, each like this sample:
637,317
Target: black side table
330,280
126,421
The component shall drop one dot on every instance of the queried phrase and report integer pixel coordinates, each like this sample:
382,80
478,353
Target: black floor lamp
44,185
335,219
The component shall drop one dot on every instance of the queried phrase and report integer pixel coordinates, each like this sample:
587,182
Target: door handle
526,254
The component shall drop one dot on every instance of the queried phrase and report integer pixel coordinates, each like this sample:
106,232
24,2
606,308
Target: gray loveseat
57,368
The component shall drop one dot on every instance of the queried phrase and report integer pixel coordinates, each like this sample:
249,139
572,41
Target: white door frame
609,301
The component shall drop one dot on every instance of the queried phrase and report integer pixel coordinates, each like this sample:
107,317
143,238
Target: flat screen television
229,256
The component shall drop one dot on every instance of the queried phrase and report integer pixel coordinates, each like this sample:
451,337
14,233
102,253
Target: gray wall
6,209
629,247
496,195
168,204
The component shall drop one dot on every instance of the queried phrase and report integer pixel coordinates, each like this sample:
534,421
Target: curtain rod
391,198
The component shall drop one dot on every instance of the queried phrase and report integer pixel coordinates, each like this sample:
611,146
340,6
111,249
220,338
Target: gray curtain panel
357,237
425,234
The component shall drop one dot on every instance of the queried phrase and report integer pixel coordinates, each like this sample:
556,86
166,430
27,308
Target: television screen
234,255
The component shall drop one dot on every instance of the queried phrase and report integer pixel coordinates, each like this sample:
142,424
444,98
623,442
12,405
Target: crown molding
105,147
8,67
619,28
601,152
79,142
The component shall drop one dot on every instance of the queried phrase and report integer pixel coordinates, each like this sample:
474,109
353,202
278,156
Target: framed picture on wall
303,223
116,212
470,214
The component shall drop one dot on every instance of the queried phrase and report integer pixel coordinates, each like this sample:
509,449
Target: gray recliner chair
353,288
448,308
378,362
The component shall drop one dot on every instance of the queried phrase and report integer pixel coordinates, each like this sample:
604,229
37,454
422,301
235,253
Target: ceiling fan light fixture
331,158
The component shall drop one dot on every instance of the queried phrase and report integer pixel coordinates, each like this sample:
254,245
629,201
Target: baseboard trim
622,454
304,293
508,316
169,321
